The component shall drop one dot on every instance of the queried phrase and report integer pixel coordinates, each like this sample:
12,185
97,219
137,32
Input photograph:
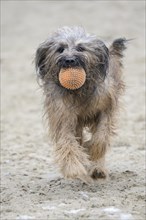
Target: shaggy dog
93,106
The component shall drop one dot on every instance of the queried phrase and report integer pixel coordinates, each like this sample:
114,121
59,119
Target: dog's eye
60,49
80,49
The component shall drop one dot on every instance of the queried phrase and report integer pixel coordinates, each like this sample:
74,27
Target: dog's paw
98,173
74,169
86,179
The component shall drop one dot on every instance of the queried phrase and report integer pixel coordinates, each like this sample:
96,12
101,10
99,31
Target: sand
32,187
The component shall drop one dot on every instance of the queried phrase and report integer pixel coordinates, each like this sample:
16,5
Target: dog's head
73,47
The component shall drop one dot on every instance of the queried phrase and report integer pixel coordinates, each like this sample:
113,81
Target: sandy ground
31,186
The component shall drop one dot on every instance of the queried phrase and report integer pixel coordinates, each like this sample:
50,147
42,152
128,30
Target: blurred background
25,151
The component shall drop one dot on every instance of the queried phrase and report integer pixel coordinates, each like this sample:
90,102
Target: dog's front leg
71,158
98,145
69,154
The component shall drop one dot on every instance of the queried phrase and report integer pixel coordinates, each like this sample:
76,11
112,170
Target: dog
92,107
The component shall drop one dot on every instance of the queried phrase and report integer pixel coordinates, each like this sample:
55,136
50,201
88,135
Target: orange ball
72,78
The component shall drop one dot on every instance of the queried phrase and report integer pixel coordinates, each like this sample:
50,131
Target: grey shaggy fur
93,106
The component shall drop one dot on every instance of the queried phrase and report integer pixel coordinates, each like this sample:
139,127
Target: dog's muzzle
70,62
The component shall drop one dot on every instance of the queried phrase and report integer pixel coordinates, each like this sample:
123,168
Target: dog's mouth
72,74
72,78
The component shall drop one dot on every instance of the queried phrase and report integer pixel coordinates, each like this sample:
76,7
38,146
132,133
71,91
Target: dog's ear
118,46
40,59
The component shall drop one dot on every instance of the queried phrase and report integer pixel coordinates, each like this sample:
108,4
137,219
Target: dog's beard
94,77
74,63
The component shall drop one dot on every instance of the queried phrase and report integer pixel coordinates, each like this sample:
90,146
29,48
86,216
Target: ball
72,78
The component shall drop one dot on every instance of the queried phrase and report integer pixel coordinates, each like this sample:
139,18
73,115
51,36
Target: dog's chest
88,112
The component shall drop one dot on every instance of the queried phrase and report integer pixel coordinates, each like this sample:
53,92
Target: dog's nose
70,61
